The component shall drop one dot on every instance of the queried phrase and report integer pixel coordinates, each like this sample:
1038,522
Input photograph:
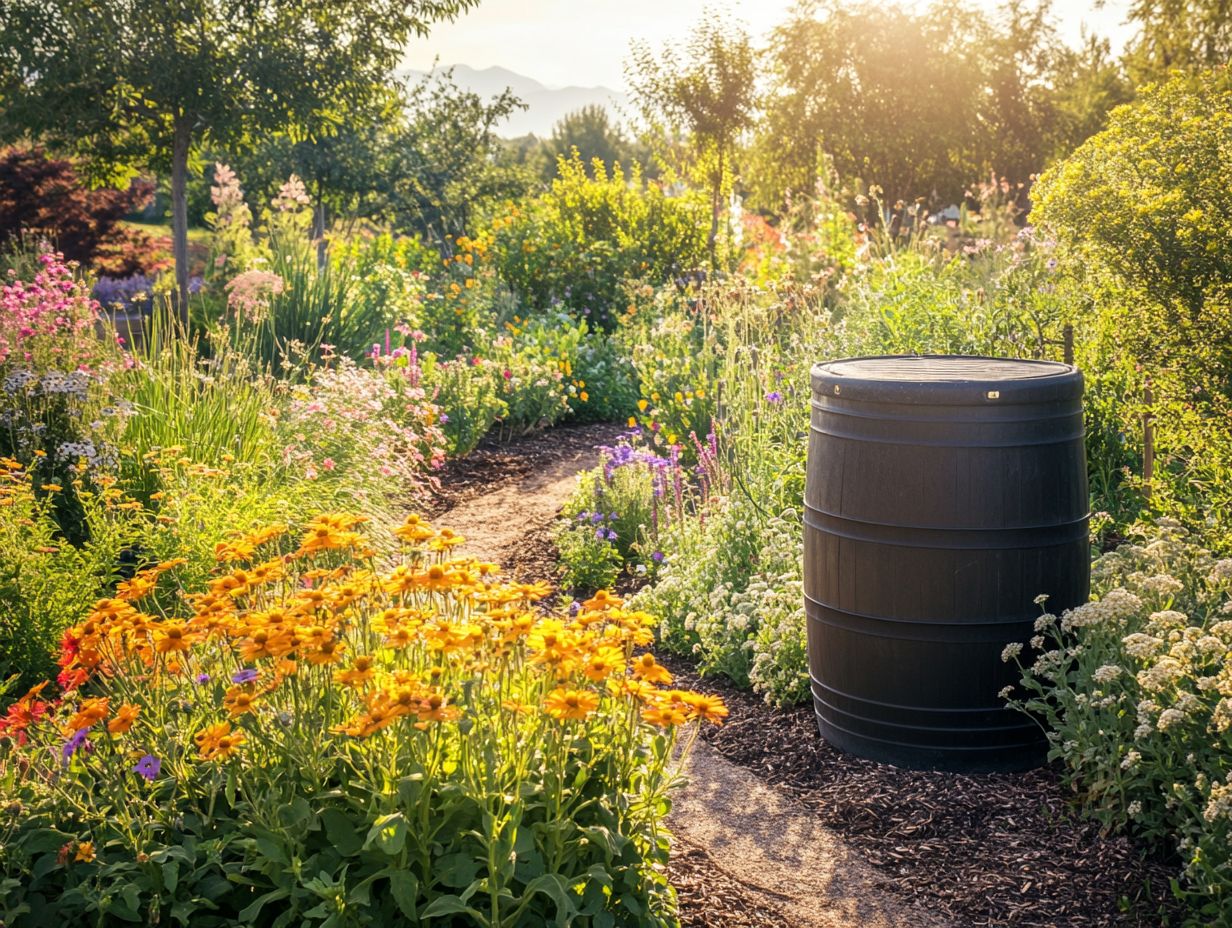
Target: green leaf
44,840
450,905
388,833
250,913
405,889
341,832
553,885
457,870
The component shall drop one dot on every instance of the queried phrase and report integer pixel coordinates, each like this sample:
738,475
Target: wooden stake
1148,441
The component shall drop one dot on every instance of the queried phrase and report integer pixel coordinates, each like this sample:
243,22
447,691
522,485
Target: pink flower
328,464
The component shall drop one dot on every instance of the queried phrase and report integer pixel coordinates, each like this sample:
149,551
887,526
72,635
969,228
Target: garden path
746,855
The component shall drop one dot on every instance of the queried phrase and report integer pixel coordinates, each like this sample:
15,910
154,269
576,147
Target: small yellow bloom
85,852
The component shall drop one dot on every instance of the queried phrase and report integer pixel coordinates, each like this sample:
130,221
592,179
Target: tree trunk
715,195
179,214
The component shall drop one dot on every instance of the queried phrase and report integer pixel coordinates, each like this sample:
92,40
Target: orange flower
645,667
85,852
570,704
218,741
88,714
171,637
360,672
707,708
238,701
414,530
124,718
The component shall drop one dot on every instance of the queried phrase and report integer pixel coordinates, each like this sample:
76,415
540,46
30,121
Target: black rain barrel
944,494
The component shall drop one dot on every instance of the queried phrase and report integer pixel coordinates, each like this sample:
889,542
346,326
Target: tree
446,160
893,98
1186,35
592,133
711,95
44,197
151,81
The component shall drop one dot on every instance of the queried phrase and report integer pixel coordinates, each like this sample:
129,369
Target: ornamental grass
326,735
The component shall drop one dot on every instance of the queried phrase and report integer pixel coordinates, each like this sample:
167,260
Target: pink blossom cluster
374,426
50,321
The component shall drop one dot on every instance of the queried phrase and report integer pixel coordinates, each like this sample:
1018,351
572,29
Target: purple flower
611,534
148,767
613,516
444,418
202,678
72,744
657,557
600,534
247,675
596,518
774,397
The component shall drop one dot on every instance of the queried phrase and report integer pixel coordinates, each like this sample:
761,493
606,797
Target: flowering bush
320,739
578,243
53,365
1135,689
469,391
373,431
677,365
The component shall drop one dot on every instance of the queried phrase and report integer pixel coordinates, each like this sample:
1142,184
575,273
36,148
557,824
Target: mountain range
544,105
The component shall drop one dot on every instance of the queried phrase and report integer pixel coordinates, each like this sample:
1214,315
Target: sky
585,42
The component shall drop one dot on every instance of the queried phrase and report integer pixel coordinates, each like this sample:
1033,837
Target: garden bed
998,849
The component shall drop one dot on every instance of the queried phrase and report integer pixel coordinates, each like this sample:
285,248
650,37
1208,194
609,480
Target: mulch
710,898
995,849
494,463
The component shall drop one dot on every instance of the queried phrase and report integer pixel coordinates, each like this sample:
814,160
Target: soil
778,829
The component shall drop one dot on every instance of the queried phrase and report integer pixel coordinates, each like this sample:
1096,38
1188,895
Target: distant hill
545,105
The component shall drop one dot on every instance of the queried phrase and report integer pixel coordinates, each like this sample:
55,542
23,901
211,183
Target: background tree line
919,104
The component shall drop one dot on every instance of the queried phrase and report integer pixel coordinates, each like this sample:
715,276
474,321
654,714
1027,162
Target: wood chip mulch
995,849
711,898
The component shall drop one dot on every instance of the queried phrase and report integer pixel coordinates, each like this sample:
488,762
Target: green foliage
1135,691
983,94
580,242
1143,208
709,96
468,388
590,133
1188,35
443,168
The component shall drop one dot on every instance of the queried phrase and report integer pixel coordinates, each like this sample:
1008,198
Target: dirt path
776,849
747,855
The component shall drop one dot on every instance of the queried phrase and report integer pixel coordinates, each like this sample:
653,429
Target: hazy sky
585,42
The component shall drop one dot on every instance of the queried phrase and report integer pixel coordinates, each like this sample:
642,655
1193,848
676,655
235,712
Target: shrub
467,391
53,371
372,434
577,244
323,741
1135,689
43,580
1143,206
44,198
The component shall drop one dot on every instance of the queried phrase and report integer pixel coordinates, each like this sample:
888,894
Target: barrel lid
946,379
